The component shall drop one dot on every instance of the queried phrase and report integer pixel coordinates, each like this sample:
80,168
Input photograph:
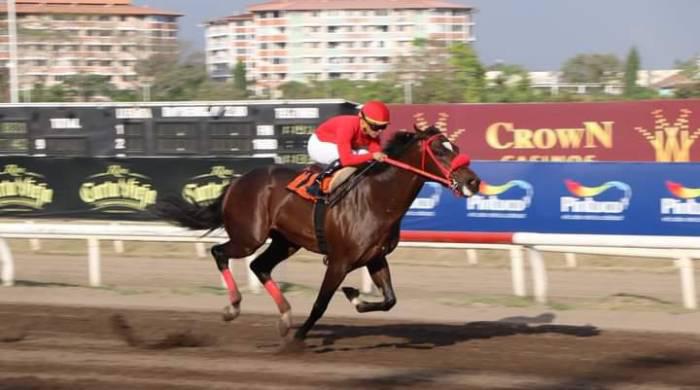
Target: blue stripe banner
592,198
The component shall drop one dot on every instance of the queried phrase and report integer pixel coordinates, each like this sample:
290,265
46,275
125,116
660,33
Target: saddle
307,176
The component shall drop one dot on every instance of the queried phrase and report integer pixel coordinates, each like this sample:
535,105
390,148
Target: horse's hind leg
379,270
222,253
262,266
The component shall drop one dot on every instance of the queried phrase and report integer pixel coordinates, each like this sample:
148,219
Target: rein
415,170
446,178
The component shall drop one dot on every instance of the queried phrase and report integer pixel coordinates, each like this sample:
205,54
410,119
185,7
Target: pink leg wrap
274,292
231,285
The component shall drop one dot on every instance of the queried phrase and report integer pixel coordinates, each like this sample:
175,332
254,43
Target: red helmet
375,112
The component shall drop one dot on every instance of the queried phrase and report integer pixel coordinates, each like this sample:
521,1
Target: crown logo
441,124
671,141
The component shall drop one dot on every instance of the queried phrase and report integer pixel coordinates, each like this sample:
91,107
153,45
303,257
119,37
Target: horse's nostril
475,183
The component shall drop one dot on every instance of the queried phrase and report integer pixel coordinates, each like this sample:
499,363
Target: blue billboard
592,198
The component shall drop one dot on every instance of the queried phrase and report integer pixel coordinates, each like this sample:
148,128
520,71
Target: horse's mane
399,144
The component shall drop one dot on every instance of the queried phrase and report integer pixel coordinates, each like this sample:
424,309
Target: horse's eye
448,146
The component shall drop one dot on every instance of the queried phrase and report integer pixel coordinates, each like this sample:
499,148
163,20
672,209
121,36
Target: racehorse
360,230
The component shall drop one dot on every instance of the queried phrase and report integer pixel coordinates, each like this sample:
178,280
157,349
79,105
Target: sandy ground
610,324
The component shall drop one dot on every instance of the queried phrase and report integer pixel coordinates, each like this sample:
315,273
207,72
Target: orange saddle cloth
303,181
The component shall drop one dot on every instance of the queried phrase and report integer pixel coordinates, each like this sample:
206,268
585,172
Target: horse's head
441,157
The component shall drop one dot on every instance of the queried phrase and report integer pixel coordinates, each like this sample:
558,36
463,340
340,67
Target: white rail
682,249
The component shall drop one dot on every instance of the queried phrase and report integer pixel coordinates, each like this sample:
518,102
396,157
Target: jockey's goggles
375,126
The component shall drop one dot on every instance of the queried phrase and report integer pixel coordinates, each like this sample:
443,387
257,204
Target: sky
537,34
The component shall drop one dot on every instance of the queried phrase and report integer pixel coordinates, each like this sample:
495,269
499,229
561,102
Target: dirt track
53,347
171,300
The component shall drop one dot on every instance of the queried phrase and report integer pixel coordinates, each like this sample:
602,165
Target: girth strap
319,225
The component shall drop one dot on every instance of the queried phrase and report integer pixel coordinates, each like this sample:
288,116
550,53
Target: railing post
570,260
517,269
118,244
94,267
539,275
201,250
253,283
687,270
367,284
34,243
472,257
8,264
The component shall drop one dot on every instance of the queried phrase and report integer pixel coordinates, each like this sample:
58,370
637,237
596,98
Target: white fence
681,249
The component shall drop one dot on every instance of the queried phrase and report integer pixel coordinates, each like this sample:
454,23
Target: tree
688,91
386,89
85,87
296,90
512,84
440,73
591,68
469,71
4,85
632,65
690,68
180,82
240,81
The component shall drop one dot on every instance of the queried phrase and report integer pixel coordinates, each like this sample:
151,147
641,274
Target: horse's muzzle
466,190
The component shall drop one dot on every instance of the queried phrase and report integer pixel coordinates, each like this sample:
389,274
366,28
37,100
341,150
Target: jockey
348,140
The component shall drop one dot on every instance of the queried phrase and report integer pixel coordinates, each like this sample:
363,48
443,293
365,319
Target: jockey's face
371,130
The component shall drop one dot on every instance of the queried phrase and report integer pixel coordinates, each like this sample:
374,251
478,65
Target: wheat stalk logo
671,141
441,124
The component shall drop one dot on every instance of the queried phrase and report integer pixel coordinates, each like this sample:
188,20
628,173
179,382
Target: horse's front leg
379,270
335,274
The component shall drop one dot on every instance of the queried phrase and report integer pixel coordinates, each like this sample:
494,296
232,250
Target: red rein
462,160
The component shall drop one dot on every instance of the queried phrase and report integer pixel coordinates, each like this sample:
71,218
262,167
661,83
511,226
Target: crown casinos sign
664,131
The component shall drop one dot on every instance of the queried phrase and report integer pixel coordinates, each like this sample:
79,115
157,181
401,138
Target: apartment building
60,38
301,40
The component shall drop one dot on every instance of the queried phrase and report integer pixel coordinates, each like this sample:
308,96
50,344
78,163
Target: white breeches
325,152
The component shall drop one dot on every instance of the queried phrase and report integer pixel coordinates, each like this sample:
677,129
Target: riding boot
316,189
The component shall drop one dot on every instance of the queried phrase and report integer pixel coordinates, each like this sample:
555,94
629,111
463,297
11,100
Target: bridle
447,177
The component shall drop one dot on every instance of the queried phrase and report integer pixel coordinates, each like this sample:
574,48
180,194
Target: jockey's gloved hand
379,156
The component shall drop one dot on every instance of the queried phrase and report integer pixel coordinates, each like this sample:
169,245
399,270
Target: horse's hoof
231,312
292,346
284,323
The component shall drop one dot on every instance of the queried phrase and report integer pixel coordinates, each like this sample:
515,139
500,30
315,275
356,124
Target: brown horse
361,229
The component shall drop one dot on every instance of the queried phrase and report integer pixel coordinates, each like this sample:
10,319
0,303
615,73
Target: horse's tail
192,216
